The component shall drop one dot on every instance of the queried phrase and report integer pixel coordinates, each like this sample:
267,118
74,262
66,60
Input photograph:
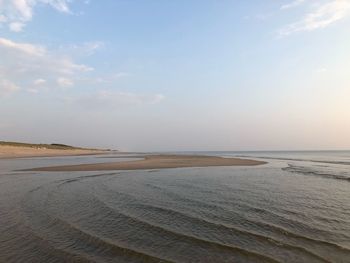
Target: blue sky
176,75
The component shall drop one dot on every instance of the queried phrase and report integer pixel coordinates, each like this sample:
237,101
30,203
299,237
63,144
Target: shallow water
296,208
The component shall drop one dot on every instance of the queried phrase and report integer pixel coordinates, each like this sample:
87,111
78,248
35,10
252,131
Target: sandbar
155,162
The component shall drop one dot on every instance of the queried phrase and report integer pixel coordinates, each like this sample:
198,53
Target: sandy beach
21,152
156,162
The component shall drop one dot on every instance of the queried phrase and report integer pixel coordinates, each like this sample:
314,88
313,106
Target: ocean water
296,208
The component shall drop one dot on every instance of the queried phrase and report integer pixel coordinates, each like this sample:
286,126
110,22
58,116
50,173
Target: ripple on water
163,216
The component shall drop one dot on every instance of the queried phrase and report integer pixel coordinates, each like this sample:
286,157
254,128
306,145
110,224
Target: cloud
7,88
84,49
320,70
321,16
111,78
30,66
292,4
89,48
114,99
16,13
16,26
3,19
39,82
29,49
64,82
37,85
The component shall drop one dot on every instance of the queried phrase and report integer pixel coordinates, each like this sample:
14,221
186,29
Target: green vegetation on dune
56,146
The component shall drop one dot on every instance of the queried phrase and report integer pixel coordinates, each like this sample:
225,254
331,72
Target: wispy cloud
37,85
322,14
84,49
28,49
110,78
27,67
109,99
7,88
17,13
320,70
65,82
292,4
16,26
31,66
39,82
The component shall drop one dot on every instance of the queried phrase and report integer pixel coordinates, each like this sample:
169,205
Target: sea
295,208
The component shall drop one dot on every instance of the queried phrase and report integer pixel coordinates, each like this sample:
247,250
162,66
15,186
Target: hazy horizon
176,75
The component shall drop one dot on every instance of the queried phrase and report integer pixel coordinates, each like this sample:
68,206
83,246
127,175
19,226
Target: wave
71,239
242,235
310,171
275,228
177,234
296,159
100,236
259,233
238,209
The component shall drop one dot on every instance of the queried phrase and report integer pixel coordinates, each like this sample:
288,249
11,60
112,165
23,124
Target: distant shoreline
10,150
155,162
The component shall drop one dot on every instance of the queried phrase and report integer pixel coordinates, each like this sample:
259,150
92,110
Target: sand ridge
156,162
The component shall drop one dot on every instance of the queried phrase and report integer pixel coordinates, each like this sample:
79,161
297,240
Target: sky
184,75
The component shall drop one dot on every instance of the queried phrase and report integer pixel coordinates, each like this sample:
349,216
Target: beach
7,151
155,162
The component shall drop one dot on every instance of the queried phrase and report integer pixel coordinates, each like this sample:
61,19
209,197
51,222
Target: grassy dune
19,149
53,146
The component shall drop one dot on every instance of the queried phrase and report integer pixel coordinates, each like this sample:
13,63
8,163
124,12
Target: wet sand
155,162
7,152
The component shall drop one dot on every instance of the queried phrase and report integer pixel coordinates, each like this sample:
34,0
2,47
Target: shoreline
154,162
17,152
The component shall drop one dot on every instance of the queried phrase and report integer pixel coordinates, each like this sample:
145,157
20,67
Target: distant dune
18,150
